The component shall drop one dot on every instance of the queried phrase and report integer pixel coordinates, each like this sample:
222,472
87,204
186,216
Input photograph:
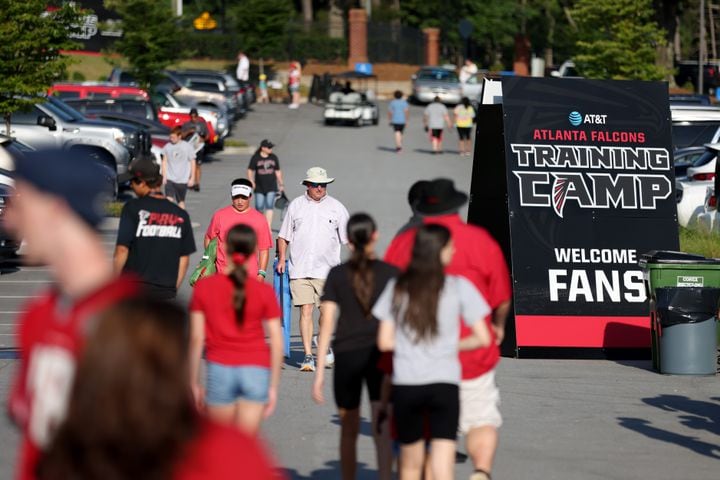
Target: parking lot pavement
564,419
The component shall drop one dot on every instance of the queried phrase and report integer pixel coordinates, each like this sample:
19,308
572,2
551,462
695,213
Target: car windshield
705,158
63,111
693,134
438,75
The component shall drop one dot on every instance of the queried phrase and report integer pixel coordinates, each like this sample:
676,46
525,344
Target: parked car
431,82
245,90
690,191
160,133
192,98
97,90
53,124
694,125
141,109
684,158
166,102
236,102
10,149
473,87
567,70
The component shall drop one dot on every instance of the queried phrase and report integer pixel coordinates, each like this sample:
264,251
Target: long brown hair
130,413
241,242
417,290
360,230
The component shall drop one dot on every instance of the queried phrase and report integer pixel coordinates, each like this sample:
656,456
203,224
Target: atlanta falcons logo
560,189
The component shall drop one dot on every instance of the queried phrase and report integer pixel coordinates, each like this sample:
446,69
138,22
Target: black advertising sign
590,188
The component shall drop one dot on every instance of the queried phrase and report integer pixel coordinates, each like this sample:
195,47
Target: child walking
228,311
419,317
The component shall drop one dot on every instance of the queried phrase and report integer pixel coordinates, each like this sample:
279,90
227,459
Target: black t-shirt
355,330
157,232
265,167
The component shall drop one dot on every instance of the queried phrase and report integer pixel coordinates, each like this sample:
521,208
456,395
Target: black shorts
200,156
399,127
176,191
464,133
351,369
436,133
438,402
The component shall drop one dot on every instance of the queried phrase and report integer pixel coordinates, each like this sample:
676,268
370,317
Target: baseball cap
143,168
241,190
267,143
73,176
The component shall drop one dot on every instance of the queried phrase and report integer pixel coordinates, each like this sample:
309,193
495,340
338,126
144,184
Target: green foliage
261,26
702,243
618,39
30,59
152,38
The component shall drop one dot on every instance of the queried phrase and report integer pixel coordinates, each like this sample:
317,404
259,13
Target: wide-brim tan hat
317,175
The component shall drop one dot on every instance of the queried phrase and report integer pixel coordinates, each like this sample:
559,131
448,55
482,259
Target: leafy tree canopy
618,39
33,33
152,38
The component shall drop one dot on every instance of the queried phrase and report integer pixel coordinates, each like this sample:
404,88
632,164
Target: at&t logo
576,118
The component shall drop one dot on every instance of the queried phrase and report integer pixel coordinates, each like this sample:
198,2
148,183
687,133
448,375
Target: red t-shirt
220,453
50,338
226,218
226,342
478,258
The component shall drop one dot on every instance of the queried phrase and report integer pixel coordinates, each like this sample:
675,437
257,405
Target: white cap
241,190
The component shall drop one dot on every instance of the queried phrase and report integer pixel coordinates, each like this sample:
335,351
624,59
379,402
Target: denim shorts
227,384
264,201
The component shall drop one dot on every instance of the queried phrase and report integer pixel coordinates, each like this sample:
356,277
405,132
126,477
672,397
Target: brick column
357,51
521,62
432,46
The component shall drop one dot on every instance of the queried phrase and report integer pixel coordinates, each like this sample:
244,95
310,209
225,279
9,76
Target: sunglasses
316,185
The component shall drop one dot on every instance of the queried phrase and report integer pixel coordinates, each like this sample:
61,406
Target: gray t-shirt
436,113
178,155
436,360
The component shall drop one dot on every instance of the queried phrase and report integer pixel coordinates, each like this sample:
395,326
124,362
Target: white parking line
20,296
27,281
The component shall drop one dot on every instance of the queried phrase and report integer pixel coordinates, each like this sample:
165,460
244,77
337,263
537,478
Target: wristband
263,273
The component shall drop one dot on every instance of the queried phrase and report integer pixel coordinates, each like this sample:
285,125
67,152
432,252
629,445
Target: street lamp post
701,53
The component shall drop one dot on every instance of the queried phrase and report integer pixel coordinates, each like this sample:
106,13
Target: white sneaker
329,358
293,106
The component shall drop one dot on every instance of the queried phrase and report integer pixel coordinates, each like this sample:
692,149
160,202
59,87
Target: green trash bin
662,268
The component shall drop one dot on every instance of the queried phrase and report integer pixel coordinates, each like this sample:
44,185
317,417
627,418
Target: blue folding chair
281,284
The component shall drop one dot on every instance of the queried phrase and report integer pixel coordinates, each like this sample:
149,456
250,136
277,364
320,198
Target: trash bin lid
677,258
686,304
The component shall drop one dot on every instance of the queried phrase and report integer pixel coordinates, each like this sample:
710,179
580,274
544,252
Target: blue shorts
264,201
227,384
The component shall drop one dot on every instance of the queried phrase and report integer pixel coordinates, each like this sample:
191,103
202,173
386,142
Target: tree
262,26
152,37
618,39
30,60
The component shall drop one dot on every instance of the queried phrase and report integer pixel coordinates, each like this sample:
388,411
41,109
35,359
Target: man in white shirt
243,69
467,71
314,228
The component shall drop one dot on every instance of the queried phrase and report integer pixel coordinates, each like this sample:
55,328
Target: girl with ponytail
227,313
352,288
420,317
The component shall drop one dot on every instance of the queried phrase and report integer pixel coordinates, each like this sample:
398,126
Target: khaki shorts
306,291
479,403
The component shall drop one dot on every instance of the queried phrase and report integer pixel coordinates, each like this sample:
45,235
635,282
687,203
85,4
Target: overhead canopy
353,75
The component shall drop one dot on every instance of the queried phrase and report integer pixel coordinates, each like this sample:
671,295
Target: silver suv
53,124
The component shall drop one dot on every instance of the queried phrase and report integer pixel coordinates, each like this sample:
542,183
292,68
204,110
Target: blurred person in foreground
131,415
57,210
479,258
155,237
230,314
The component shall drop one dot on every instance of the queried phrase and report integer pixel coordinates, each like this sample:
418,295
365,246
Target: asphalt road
564,419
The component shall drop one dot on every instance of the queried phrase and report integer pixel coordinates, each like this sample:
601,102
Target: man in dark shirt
155,237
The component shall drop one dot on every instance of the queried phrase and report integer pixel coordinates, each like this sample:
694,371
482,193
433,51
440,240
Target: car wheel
375,121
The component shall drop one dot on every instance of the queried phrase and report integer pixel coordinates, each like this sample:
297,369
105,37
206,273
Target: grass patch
701,243
113,209
232,142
